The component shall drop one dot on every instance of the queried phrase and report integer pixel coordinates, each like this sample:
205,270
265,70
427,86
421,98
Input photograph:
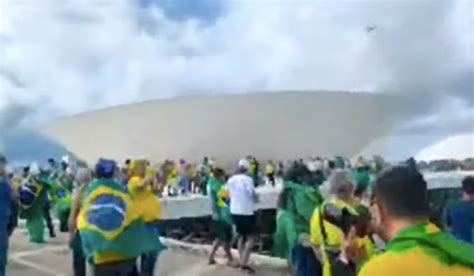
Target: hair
468,185
403,192
283,198
340,184
218,173
83,174
360,190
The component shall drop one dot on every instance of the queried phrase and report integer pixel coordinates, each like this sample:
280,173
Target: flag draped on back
60,197
111,227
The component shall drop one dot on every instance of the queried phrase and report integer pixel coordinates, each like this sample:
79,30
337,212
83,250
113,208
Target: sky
65,57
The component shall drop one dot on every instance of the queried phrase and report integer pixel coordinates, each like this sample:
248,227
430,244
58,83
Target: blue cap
105,168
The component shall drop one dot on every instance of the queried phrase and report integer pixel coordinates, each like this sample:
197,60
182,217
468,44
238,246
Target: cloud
86,55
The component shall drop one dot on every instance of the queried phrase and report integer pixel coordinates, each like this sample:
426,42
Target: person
242,207
270,171
204,174
222,221
459,216
415,246
83,178
61,201
33,195
141,187
111,228
295,206
7,196
327,222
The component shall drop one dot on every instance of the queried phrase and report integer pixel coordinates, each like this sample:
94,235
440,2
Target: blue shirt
460,218
5,198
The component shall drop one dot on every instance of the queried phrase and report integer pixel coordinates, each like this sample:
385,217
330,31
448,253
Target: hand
72,236
351,250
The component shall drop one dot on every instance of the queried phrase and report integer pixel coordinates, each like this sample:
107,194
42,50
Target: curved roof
277,125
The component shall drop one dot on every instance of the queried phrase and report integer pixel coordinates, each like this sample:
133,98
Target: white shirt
242,195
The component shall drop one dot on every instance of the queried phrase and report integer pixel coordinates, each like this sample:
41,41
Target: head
400,199
219,174
138,168
105,169
341,185
468,188
51,162
3,165
205,160
83,176
243,166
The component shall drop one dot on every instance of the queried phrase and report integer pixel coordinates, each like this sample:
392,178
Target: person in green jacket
222,220
33,198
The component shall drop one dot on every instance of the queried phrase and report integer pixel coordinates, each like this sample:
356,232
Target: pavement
54,259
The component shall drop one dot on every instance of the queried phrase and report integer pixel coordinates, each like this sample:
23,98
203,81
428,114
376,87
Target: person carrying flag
110,225
142,187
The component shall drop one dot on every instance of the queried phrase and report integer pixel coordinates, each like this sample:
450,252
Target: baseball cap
244,163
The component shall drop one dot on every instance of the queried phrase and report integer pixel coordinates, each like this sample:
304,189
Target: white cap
244,163
34,169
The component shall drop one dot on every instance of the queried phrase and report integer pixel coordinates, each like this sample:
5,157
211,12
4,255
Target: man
415,246
242,207
6,198
221,219
459,217
270,171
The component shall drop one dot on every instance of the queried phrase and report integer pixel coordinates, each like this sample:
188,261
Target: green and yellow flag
425,250
60,197
111,227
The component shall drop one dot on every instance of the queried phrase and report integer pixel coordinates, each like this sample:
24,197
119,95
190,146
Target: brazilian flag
61,199
111,227
29,191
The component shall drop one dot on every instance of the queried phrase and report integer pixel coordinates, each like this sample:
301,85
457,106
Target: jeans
148,263
123,268
304,261
78,259
3,244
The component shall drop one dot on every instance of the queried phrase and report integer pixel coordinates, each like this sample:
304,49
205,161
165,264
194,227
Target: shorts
222,231
245,224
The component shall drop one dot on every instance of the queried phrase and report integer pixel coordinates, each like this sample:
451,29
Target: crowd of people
333,217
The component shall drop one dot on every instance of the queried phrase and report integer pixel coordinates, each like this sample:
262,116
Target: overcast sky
64,57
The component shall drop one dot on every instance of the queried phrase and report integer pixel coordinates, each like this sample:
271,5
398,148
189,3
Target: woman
83,178
142,189
329,221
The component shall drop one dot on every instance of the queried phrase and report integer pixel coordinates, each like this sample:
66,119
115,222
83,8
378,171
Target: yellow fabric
413,262
222,195
146,202
367,244
104,258
16,184
334,234
131,213
270,168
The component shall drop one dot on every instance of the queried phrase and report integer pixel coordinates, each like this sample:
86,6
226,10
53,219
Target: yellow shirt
145,200
414,262
334,234
269,169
